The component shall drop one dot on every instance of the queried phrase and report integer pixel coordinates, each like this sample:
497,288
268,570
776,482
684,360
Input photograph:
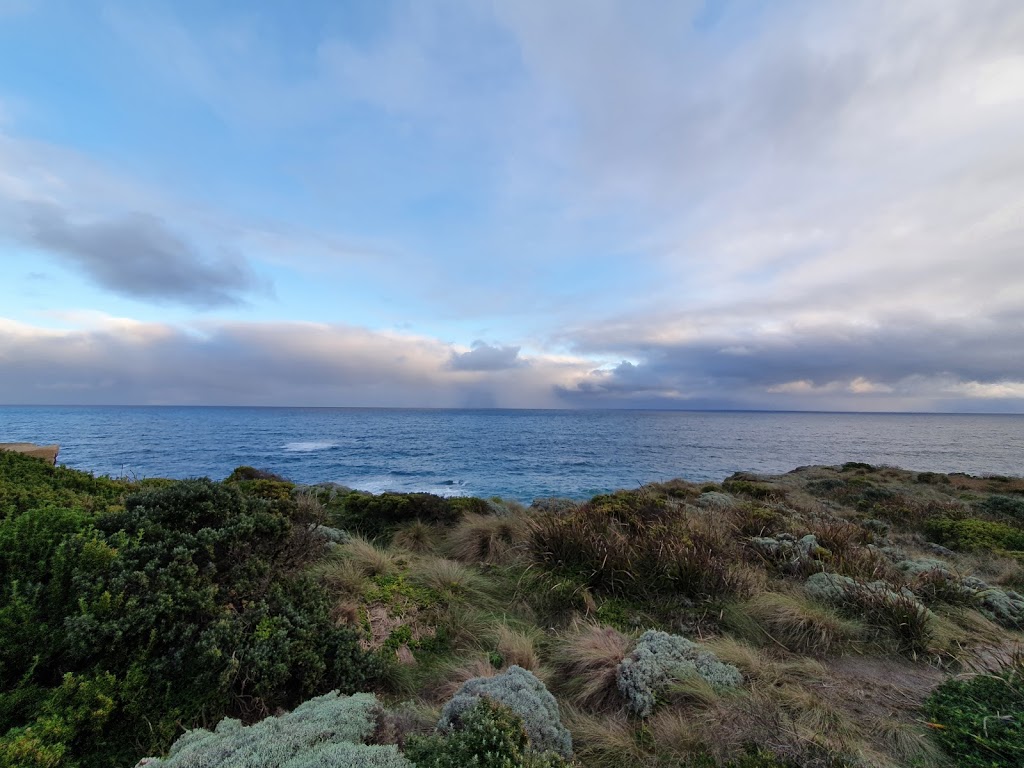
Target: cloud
138,256
485,357
906,361
133,240
106,360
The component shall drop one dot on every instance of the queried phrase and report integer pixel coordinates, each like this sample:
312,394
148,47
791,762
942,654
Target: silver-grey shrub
328,730
521,691
346,755
658,659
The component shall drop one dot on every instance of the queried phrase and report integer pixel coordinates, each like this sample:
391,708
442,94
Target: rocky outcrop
47,453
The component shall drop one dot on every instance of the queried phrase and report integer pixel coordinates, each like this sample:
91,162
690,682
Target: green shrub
972,534
487,735
188,602
29,483
520,691
981,721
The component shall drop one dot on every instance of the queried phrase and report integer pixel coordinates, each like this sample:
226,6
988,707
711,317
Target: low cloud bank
923,367
122,362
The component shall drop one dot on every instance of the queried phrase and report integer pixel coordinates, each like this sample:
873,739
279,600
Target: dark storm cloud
904,356
485,357
138,255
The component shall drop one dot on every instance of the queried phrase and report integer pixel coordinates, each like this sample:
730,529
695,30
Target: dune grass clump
897,613
369,559
487,539
416,537
588,660
635,544
791,621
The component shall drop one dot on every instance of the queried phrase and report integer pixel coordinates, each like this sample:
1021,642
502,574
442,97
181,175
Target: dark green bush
980,722
119,627
753,490
852,466
241,474
1007,506
489,735
376,516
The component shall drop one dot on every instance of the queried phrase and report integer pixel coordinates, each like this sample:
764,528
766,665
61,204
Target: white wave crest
308,447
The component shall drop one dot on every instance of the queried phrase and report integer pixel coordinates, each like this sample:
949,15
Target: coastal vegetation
833,616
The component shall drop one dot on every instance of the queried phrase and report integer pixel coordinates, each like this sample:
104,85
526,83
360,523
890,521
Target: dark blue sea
518,454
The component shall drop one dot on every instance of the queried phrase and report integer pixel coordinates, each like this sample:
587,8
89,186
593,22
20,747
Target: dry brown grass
587,659
794,623
450,677
990,484
604,741
768,666
994,568
515,646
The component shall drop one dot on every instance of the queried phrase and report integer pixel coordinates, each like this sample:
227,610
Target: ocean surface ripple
517,454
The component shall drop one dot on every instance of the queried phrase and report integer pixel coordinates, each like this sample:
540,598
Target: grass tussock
606,741
638,545
343,577
792,622
587,660
453,581
369,559
488,539
448,677
417,537
515,646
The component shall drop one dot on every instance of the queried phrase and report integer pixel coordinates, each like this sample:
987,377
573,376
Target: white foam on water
308,447
389,483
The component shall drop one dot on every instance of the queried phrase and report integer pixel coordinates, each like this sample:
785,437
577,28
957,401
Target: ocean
515,454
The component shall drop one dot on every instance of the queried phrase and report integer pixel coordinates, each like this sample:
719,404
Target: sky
736,204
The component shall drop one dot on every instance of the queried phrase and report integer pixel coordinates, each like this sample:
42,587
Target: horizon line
500,408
